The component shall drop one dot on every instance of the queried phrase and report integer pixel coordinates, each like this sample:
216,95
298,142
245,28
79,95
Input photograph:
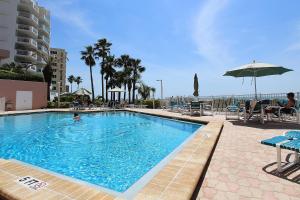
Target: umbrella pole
255,87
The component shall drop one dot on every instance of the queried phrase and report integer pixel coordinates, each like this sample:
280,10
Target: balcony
27,30
27,18
45,18
44,29
41,61
44,40
43,50
29,6
24,55
29,66
27,42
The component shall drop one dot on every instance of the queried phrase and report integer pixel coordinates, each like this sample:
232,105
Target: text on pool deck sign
32,183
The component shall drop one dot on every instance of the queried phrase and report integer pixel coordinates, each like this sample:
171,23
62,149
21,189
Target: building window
53,88
53,82
54,76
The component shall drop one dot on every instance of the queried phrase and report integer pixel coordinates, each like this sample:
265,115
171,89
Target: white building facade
24,33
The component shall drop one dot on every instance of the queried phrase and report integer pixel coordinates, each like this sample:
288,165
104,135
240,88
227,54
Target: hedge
149,103
27,76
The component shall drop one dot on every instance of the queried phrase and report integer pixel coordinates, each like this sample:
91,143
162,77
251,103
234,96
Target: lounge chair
193,108
256,109
233,110
293,115
290,141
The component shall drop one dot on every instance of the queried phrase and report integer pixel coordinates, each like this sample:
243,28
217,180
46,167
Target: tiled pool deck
241,168
177,180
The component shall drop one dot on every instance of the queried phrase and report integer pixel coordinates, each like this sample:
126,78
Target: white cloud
66,13
206,34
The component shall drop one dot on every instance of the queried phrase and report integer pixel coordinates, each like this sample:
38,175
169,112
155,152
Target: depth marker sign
32,183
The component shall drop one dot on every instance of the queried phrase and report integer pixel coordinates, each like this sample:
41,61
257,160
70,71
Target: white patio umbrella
257,70
82,92
116,89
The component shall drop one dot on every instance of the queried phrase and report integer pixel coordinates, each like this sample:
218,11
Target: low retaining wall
9,88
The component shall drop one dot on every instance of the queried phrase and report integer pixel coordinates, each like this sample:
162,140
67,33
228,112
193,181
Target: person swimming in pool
76,117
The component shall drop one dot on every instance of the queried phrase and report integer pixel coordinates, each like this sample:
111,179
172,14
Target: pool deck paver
179,178
11,171
242,168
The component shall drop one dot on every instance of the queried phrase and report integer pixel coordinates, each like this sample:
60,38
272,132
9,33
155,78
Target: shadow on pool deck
267,125
292,174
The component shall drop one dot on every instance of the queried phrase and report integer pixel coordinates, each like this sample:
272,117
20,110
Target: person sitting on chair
286,108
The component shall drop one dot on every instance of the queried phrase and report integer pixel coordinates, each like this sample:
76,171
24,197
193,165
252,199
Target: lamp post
161,89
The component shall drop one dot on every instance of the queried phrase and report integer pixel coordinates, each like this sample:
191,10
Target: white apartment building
59,66
24,33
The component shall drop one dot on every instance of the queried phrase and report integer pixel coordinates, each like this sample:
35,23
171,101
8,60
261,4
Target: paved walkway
242,168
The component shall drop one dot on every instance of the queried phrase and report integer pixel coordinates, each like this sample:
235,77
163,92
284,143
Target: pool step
13,187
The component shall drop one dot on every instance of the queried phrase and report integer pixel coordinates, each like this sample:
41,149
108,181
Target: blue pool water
112,150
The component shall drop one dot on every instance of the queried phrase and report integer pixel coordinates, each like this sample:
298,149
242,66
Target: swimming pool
112,149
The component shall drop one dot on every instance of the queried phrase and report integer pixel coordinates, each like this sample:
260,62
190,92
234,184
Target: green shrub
52,104
149,103
26,76
67,98
55,105
98,102
64,105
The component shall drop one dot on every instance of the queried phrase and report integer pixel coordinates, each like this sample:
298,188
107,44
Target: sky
176,39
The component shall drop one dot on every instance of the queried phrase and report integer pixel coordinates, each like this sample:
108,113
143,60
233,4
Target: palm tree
119,76
109,71
88,57
137,69
102,48
71,79
144,90
152,89
78,80
125,62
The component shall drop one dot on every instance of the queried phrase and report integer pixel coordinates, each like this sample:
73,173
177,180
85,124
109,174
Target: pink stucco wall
8,89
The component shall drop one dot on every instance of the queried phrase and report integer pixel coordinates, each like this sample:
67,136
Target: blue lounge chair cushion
274,140
233,108
293,134
293,145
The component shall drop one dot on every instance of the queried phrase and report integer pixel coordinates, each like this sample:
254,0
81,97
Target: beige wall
8,89
59,69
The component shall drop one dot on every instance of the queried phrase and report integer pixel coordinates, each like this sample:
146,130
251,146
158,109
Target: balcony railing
28,16
28,28
31,4
45,39
27,41
26,53
45,28
47,18
41,60
43,49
